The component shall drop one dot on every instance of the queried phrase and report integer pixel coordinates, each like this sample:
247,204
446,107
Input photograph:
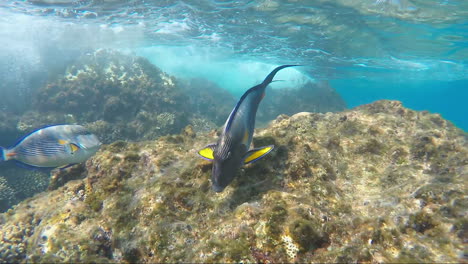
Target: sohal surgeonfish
57,146
232,148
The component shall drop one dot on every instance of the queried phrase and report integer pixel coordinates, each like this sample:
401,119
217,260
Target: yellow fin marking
74,147
207,153
62,142
257,154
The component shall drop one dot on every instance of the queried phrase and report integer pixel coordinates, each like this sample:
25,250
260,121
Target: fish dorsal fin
207,152
19,140
257,153
265,82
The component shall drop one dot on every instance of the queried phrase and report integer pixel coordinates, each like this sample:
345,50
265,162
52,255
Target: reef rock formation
119,96
208,101
16,184
318,97
124,97
378,183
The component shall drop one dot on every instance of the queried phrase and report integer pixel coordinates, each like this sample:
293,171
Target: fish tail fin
6,154
272,74
2,152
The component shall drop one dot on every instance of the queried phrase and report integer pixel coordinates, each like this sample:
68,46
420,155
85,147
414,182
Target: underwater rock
8,130
214,103
17,184
7,194
318,97
114,92
59,177
208,100
125,97
378,183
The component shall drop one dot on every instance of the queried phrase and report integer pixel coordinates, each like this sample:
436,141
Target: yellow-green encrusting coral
378,183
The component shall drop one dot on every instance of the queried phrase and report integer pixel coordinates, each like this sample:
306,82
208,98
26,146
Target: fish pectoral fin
207,152
74,148
62,142
257,153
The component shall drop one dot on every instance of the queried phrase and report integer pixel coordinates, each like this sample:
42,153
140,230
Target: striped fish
56,146
232,149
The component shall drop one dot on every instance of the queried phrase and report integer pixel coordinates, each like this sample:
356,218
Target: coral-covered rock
208,100
7,194
132,97
379,183
16,184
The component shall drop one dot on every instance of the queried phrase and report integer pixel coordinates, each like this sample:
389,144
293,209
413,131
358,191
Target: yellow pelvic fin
74,148
257,153
207,152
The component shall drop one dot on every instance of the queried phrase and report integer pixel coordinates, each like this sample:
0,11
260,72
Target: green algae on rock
317,97
121,96
378,183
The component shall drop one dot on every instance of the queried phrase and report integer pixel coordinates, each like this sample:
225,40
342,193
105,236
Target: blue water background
450,99
412,51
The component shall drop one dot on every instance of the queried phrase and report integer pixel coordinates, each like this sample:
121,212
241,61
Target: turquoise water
447,98
413,51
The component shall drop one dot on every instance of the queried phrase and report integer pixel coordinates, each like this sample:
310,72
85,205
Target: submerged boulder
379,183
318,97
118,96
